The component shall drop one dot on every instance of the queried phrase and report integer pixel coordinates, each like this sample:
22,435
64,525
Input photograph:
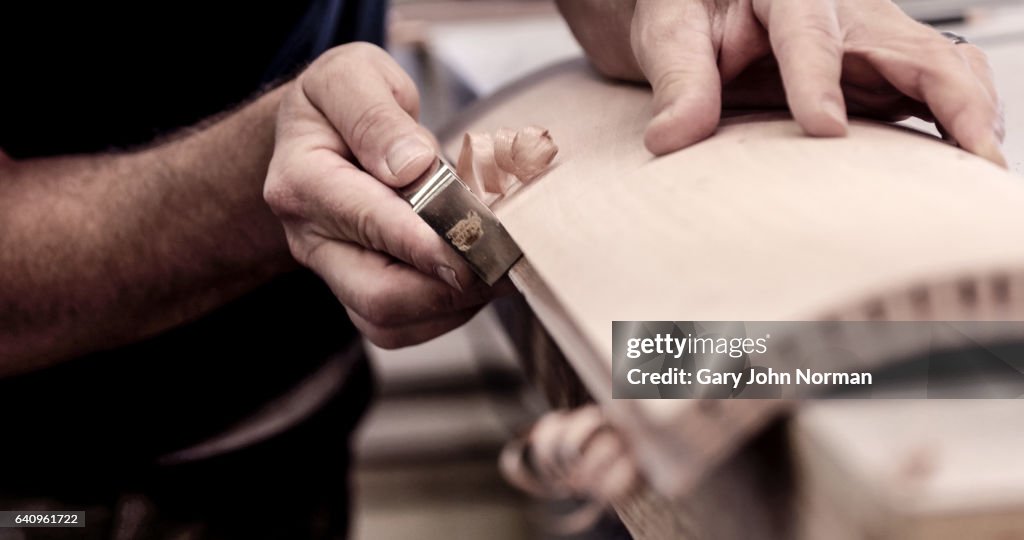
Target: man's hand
832,54
346,138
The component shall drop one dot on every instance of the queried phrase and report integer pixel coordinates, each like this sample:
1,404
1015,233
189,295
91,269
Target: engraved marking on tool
466,232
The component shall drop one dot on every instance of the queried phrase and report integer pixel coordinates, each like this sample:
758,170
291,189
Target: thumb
372,104
672,43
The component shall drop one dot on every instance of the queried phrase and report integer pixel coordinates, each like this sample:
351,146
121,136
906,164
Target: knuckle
360,57
406,94
418,244
979,63
363,50
668,79
335,65
362,303
819,29
365,227
652,35
940,62
447,301
275,193
297,246
950,56
644,36
938,54
814,32
378,306
993,108
303,245
350,53
382,337
368,122
279,191
974,52
993,114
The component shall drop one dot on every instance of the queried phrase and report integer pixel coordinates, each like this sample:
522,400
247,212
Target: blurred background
427,452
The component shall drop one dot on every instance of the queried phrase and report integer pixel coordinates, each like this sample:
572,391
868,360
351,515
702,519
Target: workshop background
427,452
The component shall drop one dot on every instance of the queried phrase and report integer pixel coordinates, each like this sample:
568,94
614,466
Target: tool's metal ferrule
441,198
438,177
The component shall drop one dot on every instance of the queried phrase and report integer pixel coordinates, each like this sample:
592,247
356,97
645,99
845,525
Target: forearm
98,251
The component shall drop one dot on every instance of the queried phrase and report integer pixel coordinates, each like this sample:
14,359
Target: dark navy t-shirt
86,78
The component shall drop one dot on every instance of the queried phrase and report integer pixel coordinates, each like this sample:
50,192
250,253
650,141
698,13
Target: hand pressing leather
833,55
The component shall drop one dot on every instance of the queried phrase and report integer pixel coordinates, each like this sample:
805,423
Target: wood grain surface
759,222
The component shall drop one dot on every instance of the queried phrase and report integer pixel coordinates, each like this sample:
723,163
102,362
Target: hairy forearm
102,250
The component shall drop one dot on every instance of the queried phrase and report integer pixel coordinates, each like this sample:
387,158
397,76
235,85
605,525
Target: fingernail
448,276
663,115
836,111
663,133
993,151
404,153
